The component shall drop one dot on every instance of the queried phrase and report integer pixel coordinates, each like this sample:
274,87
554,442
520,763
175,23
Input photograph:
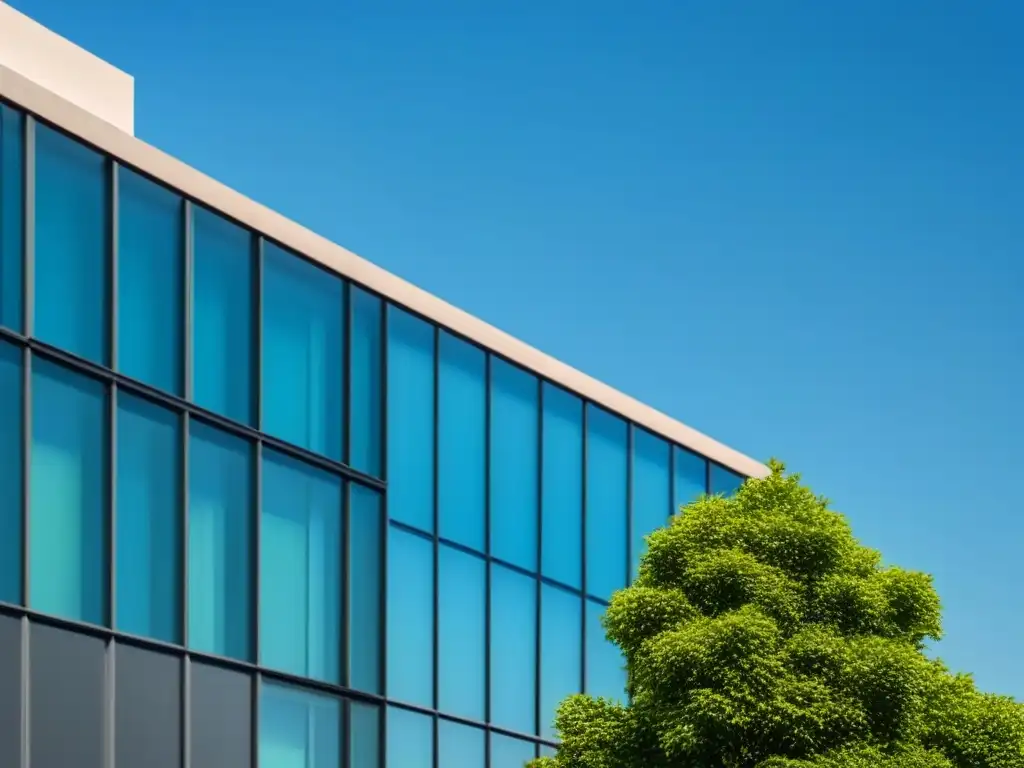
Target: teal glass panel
725,481
513,649
652,490
298,728
410,420
561,652
363,735
72,216
462,599
546,751
689,477
514,464
222,317
366,387
562,500
410,618
507,752
150,281
607,502
606,674
364,584
149,503
462,442
68,494
11,463
12,215
303,344
220,489
460,746
410,739
300,569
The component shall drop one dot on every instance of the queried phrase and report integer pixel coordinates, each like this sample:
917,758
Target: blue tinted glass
689,476
410,420
607,469
513,649
148,520
561,652
460,746
219,558
606,675
725,481
462,440
366,387
363,735
300,569
222,316
68,494
514,463
298,728
303,340
507,752
365,564
10,473
12,214
71,246
410,618
462,621
652,490
150,258
562,531
546,751
410,739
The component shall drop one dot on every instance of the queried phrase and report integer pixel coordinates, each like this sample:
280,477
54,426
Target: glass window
366,388
71,245
219,568
364,583
513,649
363,735
507,752
222,317
561,652
149,502
462,618
221,718
606,674
298,728
652,494
410,618
68,494
460,746
462,442
12,214
725,481
147,708
607,470
150,276
10,473
562,519
410,420
514,460
689,477
410,739
300,569
303,342
546,751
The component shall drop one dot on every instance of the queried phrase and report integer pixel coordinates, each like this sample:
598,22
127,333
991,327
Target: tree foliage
761,634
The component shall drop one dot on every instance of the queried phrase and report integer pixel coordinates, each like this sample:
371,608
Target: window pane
298,728
606,675
689,475
222,330
513,649
365,409
10,693
364,585
150,254
10,473
725,481
147,708
303,339
219,570
563,487
514,449
460,746
149,502
410,618
221,721
300,569
462,601
68,494
507,752
652,495
607,467
364,735
12,214
410,739
410,420
71,245
462,460
561,652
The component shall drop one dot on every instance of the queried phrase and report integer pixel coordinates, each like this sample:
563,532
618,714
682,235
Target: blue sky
796,226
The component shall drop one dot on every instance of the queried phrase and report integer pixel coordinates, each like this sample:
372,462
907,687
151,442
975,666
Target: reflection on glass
298,728
563,487
513,649
606,675
365,588
366,400
410,618
652,494
462,622
607,502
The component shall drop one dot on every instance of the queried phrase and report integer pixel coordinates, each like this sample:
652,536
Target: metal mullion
540,554
436,523
188,267
707,475
345,545
183,544
583,554
630,444
348,321
28,313
111,284
671,480
382,679
26,473
488,376
256,686
186,711
255,543
111,481
256,380
29,228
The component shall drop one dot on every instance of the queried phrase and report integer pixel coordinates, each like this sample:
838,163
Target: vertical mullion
348,320
344,671
256,577
256,381
630,443
583,555
113,244
671,480
540,553
707,476
188,265
111,481
437,545
184,523
254,719
384,529
26,473
488,371
28,313
186,711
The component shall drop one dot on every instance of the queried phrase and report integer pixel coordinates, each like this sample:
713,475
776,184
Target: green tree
761,634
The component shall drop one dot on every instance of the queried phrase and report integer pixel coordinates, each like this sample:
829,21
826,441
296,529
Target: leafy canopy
761,634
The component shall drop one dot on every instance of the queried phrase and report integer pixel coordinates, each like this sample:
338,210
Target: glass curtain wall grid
367,539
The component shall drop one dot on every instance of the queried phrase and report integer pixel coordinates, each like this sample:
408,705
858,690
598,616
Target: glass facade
241,494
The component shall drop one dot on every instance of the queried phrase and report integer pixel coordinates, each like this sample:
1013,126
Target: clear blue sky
797,226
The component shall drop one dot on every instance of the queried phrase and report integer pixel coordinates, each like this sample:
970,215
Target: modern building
262,503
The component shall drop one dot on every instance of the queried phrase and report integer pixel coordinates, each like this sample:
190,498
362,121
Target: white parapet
71,72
